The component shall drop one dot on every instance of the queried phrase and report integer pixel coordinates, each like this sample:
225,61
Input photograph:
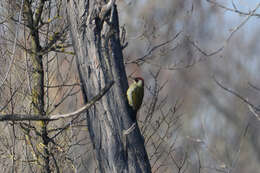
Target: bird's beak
130,77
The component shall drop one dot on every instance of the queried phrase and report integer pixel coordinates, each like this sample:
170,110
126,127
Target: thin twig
233,92
235,10
234,30
142,59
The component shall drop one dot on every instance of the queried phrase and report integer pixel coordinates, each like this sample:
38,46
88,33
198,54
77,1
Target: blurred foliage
189,123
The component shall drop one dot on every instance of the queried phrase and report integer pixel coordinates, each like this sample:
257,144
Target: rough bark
95,35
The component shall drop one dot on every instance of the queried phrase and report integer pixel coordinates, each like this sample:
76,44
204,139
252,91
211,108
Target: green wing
135,94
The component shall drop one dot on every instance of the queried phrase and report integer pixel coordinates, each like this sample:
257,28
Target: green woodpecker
135,93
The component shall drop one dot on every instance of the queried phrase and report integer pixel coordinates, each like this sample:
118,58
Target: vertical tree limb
95,36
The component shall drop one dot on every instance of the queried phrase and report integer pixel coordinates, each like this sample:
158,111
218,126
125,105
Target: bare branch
253,86
62,85
19,117
142,59
202,51
235,10
243,22
130,129
235,94
234,30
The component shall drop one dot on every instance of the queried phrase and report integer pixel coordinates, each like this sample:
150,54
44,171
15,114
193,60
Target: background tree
29,77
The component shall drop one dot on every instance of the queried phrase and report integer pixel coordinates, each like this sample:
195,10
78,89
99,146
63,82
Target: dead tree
95,35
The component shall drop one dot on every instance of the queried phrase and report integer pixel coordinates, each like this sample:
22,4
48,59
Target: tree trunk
95,36
42,153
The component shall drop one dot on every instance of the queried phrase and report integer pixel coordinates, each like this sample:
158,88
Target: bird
135,93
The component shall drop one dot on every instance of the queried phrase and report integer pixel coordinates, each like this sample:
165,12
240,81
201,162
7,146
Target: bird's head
139,80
